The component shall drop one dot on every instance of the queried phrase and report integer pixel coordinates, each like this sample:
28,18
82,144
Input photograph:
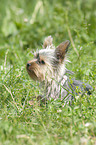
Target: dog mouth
32,74
29,70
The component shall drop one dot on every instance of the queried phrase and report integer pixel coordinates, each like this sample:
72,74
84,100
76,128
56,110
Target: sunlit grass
23,27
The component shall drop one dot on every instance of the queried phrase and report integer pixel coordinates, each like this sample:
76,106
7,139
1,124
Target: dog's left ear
61,50
48,41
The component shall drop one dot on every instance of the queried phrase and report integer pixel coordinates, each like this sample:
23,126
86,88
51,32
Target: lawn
23,27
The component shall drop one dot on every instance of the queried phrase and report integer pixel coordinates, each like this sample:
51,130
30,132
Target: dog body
48,67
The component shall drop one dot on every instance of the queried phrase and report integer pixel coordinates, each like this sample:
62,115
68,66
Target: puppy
48,67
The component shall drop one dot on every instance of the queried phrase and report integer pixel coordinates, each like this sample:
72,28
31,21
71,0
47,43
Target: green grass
23,27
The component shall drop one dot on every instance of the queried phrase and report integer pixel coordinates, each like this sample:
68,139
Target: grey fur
53,73
65,89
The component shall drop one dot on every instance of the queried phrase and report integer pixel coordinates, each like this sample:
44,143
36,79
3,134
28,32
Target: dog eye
42,61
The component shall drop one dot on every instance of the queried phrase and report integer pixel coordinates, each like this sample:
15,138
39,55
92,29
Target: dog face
36,68
48,62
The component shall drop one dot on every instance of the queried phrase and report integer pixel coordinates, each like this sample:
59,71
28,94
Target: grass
23,27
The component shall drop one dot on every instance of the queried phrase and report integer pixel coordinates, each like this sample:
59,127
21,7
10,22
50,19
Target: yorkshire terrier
48,67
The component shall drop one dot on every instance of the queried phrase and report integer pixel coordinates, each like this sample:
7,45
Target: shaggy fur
48,67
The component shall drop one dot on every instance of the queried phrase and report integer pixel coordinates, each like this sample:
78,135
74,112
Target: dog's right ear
61,50
48,41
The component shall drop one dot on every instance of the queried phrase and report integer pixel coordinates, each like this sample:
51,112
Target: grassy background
23,27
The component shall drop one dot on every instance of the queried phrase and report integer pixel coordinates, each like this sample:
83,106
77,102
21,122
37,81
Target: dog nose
28,64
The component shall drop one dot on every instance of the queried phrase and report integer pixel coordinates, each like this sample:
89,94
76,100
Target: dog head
48,62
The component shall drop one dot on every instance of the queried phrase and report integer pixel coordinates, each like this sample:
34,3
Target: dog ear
47,42
61,50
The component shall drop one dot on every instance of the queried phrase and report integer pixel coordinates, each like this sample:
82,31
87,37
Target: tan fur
47,42
48,67
61,50
53,59
35,71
